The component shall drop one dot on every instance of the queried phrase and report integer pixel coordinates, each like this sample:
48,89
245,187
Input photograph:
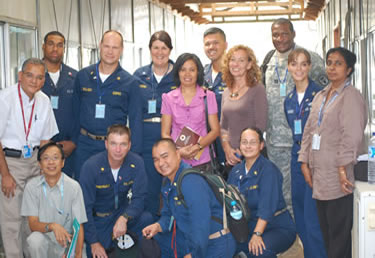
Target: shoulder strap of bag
211,149
263,67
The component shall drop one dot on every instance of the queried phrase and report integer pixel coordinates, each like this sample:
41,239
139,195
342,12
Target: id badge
297,126
27,151
99,111
316,142
282,89
171,223
152,106
55,102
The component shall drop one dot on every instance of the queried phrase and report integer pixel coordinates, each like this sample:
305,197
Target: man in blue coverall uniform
114,187
59,87
106,95
304,206
191,231
215,44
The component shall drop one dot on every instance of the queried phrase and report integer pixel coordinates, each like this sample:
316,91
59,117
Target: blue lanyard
100,94
60,211
322,107
277,72
153,78
299,108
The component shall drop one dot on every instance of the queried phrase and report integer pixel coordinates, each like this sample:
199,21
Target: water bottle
371,160
235,211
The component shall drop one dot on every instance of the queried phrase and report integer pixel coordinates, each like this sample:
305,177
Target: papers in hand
71,249
186,137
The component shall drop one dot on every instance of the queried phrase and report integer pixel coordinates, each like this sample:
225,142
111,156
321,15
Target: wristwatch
200,146
46,227
257,233
126,216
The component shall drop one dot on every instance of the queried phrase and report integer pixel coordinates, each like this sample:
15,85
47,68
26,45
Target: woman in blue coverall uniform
297,106
155,79
272,229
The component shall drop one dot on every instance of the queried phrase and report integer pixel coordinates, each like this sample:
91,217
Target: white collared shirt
12,132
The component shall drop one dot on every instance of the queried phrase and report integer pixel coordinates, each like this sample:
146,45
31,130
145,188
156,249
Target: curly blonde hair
253,75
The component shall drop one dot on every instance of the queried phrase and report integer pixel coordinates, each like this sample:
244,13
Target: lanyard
100,93
277,72
23,113
60,211
153,78
322,107
54,88
299,107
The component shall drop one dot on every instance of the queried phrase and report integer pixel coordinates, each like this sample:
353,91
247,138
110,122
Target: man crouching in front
190,231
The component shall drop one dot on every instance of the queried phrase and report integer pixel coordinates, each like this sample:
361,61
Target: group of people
56,119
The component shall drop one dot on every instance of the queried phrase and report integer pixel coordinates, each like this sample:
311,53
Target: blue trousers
151,133
305,213
222,247
104,227
278,237
69,164
85,149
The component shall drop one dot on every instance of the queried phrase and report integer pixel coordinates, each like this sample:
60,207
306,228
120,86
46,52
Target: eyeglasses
251,143
47,158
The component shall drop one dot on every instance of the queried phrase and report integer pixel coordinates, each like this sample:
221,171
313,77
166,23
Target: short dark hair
181,61
50,145
169,141
163,36
53,33
349,57
255,129
33,61
296,52
118,129
115,31
214,30
283,21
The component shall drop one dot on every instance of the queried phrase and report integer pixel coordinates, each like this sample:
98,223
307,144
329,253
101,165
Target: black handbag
216,166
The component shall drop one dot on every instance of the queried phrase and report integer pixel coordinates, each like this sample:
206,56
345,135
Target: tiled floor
295,251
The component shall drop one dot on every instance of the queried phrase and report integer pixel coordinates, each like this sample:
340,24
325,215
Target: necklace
237,93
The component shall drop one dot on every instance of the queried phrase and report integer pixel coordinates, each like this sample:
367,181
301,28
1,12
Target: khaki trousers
14,228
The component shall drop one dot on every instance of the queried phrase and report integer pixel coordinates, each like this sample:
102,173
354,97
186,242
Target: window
2,65
371,73
22,45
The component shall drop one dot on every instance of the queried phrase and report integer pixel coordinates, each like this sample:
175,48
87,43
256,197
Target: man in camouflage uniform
279,83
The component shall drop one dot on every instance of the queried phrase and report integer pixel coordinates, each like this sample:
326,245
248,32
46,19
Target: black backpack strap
263,67
213,152
180,196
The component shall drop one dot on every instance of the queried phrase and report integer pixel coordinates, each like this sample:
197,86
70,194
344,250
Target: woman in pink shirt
185,106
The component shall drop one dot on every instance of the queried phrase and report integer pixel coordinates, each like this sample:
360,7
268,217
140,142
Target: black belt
93,136
13,153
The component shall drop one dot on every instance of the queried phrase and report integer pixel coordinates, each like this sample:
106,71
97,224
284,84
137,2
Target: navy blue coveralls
100,192
64,112
262,188
122,99
304,206
151,91
217,86
192,225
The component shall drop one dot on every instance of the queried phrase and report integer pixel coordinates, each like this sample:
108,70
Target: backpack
238,228
263,67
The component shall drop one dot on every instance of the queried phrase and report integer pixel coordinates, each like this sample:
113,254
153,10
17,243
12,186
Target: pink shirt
192,115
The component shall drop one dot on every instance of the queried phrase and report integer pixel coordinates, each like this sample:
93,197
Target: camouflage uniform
279,136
